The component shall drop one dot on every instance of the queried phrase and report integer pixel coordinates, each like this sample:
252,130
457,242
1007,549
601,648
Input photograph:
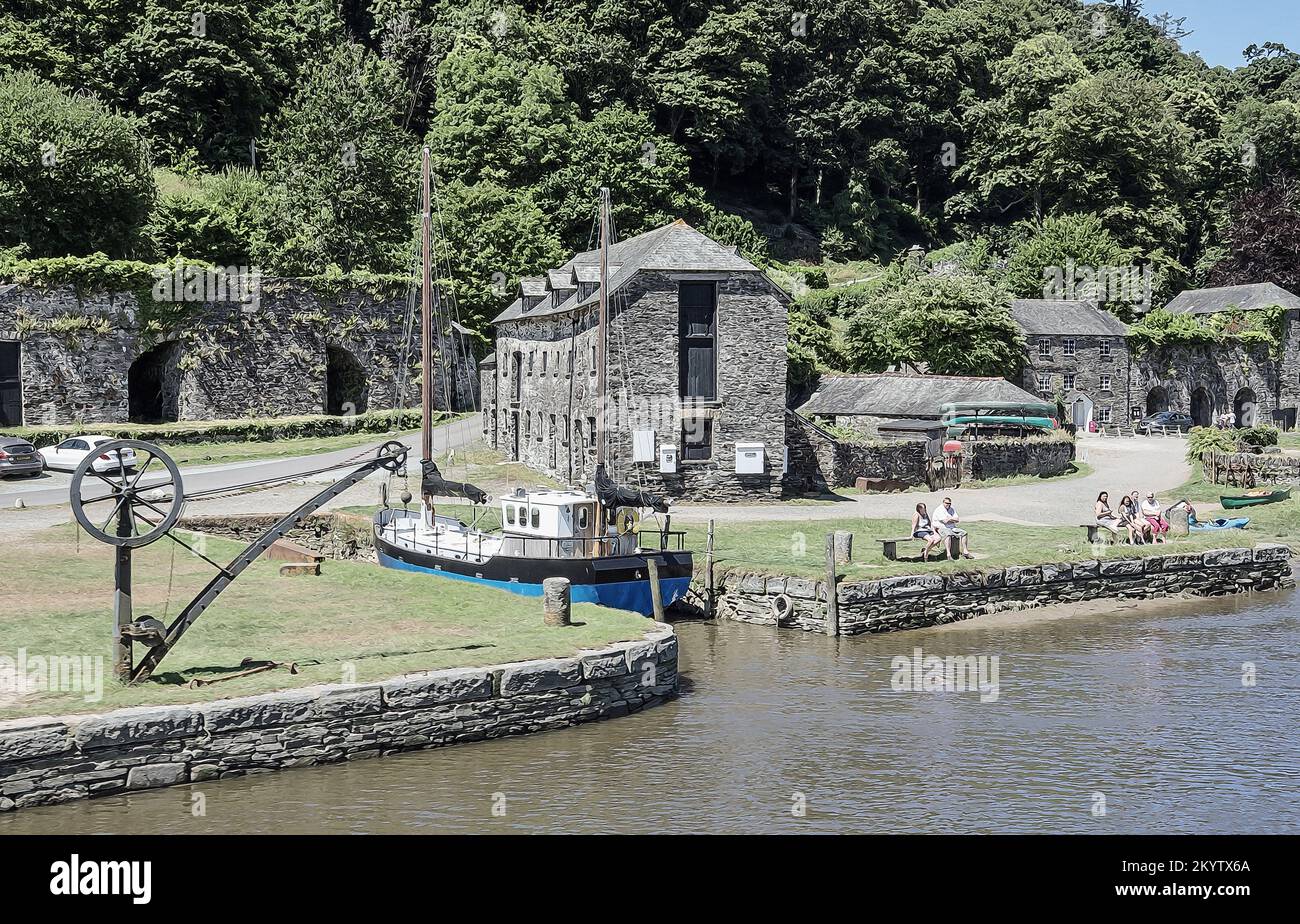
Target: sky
1222,28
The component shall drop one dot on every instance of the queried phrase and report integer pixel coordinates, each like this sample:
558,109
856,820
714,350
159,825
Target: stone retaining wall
984,459
915,601
1269,467
47,760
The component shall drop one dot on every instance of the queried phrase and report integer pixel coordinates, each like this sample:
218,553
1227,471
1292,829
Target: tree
1080,240
342,176
1264,238
955,325
74,176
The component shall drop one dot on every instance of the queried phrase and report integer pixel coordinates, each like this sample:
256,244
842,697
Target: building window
530,361
528,425
1104,415
1104,349
697,439
1044,349
1044,381
1068,383
1105,383
546,354
1067,346
697,334
593,359
553,433
591,423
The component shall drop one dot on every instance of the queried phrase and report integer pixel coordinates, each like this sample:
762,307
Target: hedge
252,429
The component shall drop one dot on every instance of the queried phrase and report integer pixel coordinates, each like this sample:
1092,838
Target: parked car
19,457
1170,420
67,455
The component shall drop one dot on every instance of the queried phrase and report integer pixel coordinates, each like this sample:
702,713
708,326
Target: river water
781,731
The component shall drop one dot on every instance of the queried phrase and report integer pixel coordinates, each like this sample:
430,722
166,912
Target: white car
67,455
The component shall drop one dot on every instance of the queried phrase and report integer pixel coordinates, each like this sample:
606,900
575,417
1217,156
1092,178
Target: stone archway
1245,407
1157,400
347,388
153,385
1202,407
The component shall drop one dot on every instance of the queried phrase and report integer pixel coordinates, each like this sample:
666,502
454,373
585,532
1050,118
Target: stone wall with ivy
303,347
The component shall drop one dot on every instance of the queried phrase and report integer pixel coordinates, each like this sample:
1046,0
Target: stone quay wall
334,535
919,600
48,760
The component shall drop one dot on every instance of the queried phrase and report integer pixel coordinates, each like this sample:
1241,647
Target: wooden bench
889,547
1095,532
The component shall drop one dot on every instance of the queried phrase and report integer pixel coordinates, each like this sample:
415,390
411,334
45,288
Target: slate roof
1226,298
1048,316
675,247
889,394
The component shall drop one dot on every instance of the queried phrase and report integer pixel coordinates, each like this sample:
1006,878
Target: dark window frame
697,340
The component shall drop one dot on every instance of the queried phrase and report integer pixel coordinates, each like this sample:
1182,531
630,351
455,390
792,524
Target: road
52,488
1119,465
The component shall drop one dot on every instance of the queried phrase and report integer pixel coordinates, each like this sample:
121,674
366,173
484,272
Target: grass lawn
56,600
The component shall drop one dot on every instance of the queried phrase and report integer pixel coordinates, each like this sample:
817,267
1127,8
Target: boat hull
617,581
1236,503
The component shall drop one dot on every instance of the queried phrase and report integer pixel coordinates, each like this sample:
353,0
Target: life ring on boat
626,520
782,607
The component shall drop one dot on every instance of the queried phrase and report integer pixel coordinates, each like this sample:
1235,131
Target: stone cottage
696,370
1078,352
69,357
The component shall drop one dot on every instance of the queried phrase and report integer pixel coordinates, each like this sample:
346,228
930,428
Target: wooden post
708,572
656,598
832,604
556,601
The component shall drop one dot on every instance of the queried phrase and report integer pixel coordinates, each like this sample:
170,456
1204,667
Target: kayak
1254,498
1220,523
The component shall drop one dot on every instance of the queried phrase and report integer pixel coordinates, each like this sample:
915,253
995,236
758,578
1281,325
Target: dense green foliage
1202,441
1260,327
1039,131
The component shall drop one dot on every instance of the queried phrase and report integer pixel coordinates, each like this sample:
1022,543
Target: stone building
1077,352
1207,380
863,402
1081,353
696,370
70,357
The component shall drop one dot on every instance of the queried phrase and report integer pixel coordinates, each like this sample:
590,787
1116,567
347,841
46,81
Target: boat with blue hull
590,536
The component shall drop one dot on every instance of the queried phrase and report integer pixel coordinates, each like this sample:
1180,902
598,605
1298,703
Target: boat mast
426,320
600,330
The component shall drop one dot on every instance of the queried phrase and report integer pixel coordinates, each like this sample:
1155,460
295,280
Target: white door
1081,412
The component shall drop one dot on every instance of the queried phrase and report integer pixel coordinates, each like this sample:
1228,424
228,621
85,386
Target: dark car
19,457
1168,420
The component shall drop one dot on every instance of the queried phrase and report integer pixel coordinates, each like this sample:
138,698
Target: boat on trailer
589,536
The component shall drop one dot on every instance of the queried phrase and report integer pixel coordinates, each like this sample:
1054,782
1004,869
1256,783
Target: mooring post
656,598
122,614
556,601
843,547
832,604
708,571
663,537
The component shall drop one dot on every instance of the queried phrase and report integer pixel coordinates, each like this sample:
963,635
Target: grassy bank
356,621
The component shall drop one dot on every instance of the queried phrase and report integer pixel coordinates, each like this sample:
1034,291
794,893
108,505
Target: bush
74,176
1201,441
1260,436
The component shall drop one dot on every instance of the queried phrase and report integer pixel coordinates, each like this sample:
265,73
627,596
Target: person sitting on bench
1106,518
1130,519
946,520
924,530
1155,516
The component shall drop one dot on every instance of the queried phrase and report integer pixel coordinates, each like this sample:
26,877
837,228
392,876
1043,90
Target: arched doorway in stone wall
1157,400
1245,408
1202,407
347,389
153,385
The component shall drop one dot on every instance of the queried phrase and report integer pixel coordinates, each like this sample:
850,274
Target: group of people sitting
1143,520
934,531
